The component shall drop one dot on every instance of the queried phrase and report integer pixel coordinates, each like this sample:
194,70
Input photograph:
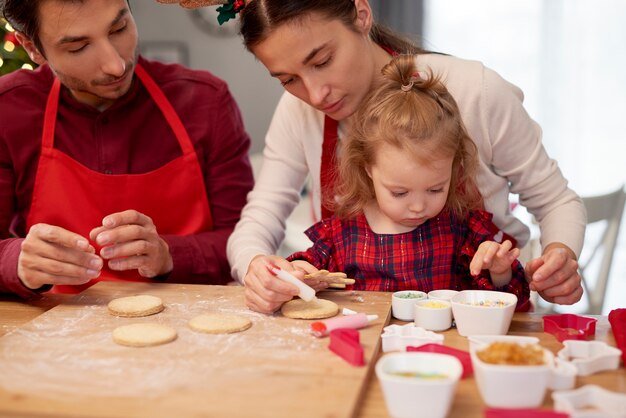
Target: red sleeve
480,229
9,282
322,253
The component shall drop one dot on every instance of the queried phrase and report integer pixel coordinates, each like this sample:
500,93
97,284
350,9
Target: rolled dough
315,309
135,306
219,323
144,334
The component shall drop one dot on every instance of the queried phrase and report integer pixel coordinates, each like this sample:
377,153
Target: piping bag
307,293
355,321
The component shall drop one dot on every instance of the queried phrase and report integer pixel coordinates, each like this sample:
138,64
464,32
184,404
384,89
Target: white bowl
519,386
483,312
433,315
415,397
442,294
402,303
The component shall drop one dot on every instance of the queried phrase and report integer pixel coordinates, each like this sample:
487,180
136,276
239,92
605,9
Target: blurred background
568,57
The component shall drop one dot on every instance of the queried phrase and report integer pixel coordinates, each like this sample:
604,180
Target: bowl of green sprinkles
418,384
403,302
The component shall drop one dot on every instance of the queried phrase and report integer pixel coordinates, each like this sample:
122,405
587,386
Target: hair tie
414,77
407,87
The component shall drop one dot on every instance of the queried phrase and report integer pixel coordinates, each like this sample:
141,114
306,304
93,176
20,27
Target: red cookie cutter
523,413
345,342
463,356
617,319
570,326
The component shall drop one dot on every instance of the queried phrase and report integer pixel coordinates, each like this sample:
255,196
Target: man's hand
130,241
53,255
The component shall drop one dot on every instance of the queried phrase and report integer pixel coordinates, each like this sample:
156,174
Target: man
112,167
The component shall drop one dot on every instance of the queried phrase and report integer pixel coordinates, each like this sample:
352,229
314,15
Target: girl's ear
364,19
33,52
368,170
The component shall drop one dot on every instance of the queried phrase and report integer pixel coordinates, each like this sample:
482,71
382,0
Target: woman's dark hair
260,17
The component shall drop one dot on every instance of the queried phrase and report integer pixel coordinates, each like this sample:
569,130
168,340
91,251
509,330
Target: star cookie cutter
590,401
569,326
398,337
590,357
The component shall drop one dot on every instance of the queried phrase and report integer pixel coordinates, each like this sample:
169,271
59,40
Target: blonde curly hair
414,113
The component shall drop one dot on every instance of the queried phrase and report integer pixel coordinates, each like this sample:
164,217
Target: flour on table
136,306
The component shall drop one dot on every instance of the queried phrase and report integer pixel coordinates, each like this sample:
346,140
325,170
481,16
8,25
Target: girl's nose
417,205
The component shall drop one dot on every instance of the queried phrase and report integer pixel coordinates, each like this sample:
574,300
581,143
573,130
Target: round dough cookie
143,335
135,306
219,323
315,309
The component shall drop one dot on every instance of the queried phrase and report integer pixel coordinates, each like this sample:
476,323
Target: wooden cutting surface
65,364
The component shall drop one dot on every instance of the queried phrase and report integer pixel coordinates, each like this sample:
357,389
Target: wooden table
467,402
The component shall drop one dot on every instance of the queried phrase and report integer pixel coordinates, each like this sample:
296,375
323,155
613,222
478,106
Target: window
567,56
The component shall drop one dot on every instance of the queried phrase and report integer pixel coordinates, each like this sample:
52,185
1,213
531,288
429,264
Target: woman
408,213
327,54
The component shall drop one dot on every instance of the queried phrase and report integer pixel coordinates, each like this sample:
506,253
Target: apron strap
163,104
166,108
50,115
328,168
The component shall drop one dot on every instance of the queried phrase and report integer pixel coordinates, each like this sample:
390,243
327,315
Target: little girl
408,214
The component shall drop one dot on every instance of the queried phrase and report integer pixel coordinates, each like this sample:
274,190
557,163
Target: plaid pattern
436,255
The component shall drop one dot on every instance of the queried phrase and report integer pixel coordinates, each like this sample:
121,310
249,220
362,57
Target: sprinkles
498,303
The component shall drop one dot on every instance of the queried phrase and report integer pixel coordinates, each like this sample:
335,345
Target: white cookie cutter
590,401
398,337
590,356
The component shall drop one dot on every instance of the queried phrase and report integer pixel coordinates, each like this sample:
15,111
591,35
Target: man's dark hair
23,15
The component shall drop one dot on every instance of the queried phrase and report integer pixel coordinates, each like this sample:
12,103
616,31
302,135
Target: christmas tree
12,55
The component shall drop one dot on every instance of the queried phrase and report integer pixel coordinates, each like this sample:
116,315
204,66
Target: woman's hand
264,292
555,275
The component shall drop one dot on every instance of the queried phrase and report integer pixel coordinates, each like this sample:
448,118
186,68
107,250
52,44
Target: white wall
255,91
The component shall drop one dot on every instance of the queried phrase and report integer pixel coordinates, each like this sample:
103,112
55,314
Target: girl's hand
497,258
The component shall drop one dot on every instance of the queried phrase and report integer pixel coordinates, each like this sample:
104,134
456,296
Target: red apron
74,197
328,168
